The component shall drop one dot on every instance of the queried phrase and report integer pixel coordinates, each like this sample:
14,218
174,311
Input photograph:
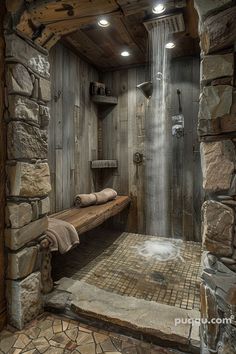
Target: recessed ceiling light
125,53
158,9
103,22
170,45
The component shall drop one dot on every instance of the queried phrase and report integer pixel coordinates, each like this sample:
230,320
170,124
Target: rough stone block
18,80
227,123
28,180
231,296
218,164
24,300
218,227
18,215
35,93
22,108
35,208
227,344
216,66
44,90
209,311
219,125
25,141
17,238
19,49
44,116
215,101
223,81
44,206
22,263
205,8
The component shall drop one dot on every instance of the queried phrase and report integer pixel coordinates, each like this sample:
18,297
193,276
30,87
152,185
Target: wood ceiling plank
88,49
48,11
130,7
137,31
72,24
112,44
126,37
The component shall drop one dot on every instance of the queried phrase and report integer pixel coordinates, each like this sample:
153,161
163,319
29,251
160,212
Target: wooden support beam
49,11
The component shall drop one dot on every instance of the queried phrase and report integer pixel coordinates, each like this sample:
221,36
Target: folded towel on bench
84,200
61,235
105,195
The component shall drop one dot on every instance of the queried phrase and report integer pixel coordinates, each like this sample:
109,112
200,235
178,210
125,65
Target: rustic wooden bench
85,219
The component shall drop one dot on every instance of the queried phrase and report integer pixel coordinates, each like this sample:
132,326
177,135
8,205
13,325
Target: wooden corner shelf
104,100
97,164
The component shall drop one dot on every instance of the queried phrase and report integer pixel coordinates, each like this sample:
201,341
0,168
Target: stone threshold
139,318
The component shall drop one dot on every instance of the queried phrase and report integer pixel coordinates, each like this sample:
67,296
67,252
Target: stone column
217,132
28,177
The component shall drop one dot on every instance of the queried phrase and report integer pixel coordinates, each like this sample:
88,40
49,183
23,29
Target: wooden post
2,170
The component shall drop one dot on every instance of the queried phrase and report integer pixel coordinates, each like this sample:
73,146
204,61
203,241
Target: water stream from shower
158,138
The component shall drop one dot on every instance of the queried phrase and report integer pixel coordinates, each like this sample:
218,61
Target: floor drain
158,277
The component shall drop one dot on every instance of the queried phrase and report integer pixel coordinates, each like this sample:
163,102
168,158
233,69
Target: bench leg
46,270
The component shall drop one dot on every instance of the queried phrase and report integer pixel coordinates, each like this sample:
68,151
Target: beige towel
84,200
61,235
105,195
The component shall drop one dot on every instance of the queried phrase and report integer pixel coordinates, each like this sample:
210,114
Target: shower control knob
138,158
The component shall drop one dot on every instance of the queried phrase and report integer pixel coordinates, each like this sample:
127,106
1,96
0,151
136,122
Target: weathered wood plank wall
79,132
72,129
186,181
123,134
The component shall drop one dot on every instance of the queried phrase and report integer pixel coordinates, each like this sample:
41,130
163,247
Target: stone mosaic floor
111,261
52,334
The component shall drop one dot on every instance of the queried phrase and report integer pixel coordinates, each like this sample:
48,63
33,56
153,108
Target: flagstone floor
53,334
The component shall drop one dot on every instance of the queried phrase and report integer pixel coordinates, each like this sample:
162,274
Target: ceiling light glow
125,53
158,9
103,22
169,45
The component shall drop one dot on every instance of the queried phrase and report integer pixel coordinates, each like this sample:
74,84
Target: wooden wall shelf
105,100
97,164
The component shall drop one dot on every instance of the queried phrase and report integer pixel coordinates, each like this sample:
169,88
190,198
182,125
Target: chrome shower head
174,23
146,88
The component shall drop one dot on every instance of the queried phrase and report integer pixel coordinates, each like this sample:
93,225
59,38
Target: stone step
138,316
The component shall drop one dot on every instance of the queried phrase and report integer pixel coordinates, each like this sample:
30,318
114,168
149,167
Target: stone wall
217,132
28,176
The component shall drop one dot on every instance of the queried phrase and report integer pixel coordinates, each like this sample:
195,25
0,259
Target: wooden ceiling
102,46
75,22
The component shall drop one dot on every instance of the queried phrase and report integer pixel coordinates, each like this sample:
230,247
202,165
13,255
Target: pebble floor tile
111,261
54,334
